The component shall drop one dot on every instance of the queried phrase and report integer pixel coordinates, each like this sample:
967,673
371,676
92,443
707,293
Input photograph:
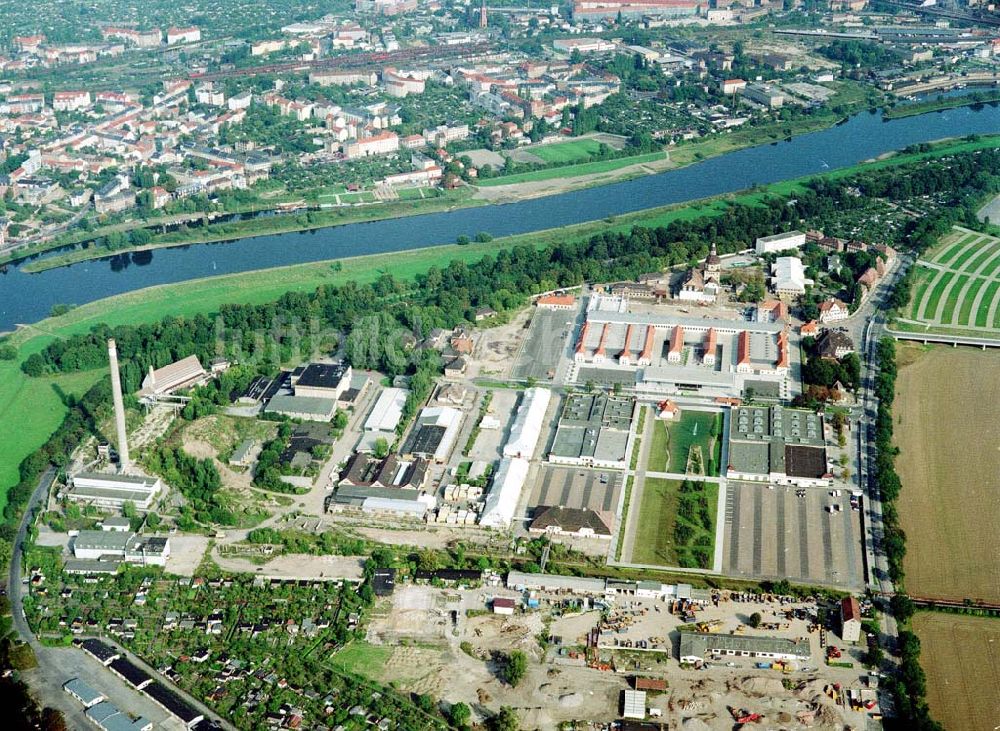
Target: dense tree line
859,53
197,479
909,685
384,319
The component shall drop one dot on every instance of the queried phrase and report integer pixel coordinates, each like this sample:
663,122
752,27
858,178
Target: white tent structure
501,502
527,426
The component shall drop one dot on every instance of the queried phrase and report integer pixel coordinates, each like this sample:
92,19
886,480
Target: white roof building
527,426
387,411
501,502
788,276
635,704
114,490
780,242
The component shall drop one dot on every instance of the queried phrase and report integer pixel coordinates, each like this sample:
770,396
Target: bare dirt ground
949,458
433,538
297,566
186,554
961,656
497,347
419,645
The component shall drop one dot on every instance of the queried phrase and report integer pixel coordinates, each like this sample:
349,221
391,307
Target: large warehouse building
661,353
527,426
185,373
501,501
698,646
434,433
121,546
113,490
779,446
593,430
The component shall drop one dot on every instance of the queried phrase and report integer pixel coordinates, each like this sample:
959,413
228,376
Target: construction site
586,648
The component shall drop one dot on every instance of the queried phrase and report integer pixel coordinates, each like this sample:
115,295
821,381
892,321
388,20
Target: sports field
565,152
660,510
957,286
946,415
673,441
961,658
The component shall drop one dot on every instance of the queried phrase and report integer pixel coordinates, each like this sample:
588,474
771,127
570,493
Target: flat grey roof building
83,692
699,645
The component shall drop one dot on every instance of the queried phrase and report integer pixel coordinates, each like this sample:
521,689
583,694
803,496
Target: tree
506,720
381,450
755,620
459,715
514,668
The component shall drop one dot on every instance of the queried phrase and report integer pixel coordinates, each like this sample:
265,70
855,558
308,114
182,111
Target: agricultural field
957,286
687,446
676,523
961,657
949,458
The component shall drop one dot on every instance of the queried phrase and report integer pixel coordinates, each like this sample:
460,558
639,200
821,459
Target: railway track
356,61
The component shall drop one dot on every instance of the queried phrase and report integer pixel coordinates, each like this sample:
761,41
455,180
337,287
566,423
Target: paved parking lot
490,441
573,487
773,534
75,663
544,344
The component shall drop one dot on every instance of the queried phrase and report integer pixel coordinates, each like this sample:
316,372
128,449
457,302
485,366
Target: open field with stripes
957,287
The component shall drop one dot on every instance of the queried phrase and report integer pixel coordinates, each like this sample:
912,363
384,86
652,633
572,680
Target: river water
26,298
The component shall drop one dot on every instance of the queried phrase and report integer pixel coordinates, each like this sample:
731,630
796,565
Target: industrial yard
572,675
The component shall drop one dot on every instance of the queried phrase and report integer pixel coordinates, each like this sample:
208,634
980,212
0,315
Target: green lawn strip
960,262
658,517
984,304
992,268
930,310
965,311
988,250
654,536
658,449
953,297
566,152
570,171
924,277
952,251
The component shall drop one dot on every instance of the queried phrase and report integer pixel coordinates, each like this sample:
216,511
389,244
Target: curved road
56,665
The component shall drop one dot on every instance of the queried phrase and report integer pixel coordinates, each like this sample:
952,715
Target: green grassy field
24,429
30,410
362,658
655,543
672,442
567,152
950,279
572,171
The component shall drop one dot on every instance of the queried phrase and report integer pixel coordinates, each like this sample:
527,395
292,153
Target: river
26,298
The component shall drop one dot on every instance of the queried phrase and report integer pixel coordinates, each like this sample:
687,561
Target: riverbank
312,220
941,104
31,408
505,189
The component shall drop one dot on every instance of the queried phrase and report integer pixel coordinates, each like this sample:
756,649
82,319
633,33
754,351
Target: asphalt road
56,665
